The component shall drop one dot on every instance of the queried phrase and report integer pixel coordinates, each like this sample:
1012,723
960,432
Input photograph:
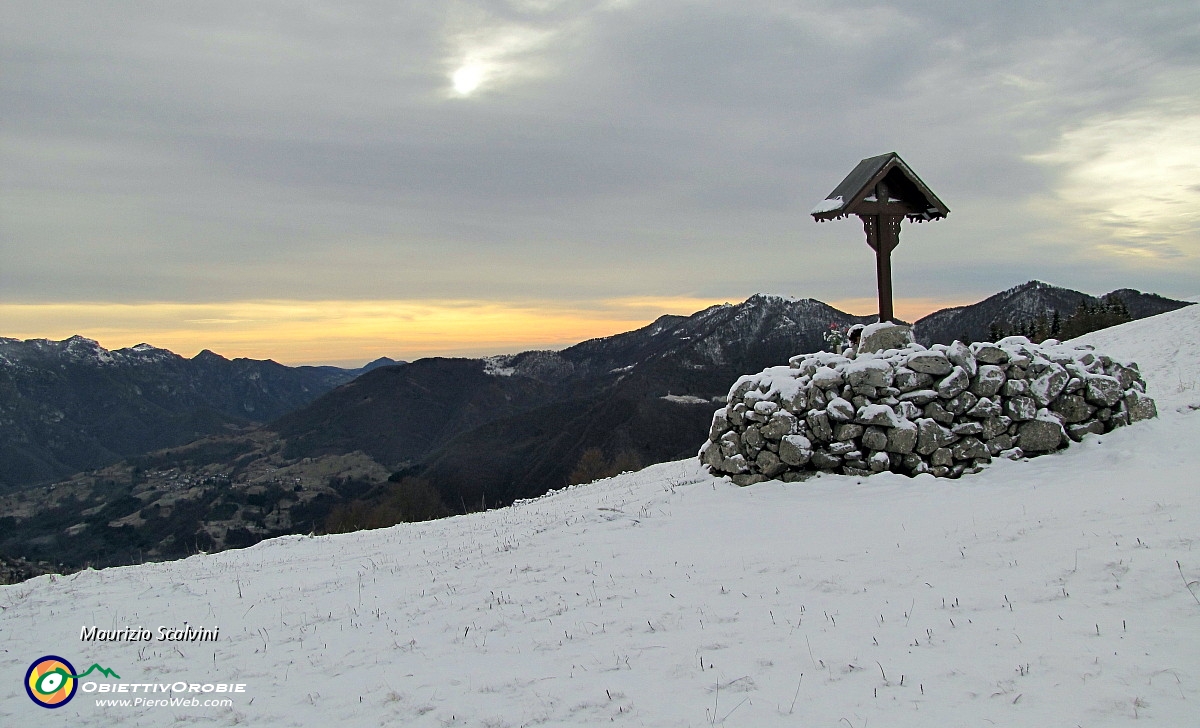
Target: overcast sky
320,182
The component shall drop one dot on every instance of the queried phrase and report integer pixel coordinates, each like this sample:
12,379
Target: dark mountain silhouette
1023,304
71,405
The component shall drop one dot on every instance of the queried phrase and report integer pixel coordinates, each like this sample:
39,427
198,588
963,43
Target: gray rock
988,381
870,373
1017,372
989,353
730,444
879,462
998,444
795,450
748,479
710,455
929,362
849,469
781,423
1049,385
907,380
935,411
962,429
919,397
736,415
1074,384
985,408
796,476
798,402
969,448
960,354
931,436
769,464
907,410
1015,453
883,336
877,414
1139,406
1015,387
953,383
827,378
842,449
1020,408
1103,390
818,424
752,441
1125,375
825,461
902,439
741,388
941,457
839,410
1040,435
720,425
847,431
960,403
867,391
995,426
874,438
1073,408
766,407
1078,430
752,416
736,464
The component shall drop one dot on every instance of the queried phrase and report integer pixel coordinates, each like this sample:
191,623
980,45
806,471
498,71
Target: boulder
1103,390
883,336
874,438
960,354
931,436
929,362
795,450
839,410
954,383
988,380
1041,435
902,439
1073,408
1139,406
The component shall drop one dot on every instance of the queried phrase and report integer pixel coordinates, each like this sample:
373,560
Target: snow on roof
829,205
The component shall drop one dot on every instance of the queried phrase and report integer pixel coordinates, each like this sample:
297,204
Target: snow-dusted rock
884,336
946,410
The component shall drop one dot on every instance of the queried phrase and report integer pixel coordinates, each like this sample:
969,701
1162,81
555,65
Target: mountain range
476,433
72,405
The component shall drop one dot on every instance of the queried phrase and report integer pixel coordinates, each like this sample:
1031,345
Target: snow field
1044,592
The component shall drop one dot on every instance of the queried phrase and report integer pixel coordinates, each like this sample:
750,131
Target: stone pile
894,405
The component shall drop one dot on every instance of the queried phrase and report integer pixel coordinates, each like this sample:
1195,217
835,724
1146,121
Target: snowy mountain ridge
1057,591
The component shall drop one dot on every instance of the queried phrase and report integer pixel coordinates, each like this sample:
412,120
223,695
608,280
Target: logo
51,681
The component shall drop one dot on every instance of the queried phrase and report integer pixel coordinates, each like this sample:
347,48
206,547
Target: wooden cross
882,191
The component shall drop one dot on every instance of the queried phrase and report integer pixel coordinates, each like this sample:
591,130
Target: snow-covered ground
1047,592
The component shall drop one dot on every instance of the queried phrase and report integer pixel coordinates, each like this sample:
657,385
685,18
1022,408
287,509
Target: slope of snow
1046,592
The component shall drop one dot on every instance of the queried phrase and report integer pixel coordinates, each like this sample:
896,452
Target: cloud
591,150
1129,180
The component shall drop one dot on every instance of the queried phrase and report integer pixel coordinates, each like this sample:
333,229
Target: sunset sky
319,183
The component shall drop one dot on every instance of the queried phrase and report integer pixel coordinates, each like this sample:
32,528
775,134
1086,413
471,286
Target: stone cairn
893,405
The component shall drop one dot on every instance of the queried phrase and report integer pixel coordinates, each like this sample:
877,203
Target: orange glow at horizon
905,309
350,333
